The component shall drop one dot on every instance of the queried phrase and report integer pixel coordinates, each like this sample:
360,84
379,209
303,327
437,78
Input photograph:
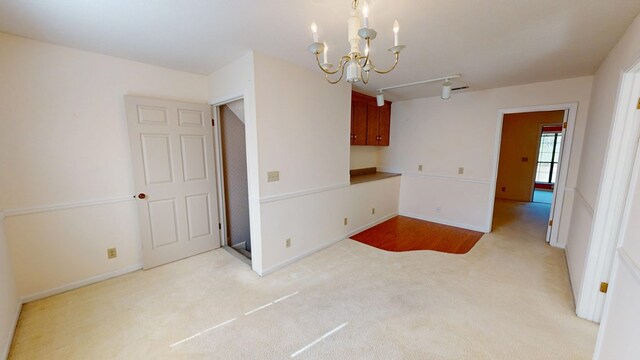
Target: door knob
142,196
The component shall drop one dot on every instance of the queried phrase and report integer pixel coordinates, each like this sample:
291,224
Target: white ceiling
493,43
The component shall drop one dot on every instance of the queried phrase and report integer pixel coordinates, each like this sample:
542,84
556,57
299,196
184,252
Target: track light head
380,98
446,90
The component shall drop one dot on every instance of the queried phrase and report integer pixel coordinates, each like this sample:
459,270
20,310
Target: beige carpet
508,298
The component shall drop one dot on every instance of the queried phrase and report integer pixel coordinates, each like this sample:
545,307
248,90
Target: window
550,145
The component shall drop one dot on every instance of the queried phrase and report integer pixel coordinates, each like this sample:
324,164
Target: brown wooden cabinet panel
373,124
370,123
358,123
384,127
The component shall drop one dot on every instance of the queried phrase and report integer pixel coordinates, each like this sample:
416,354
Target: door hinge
219,226
604,287
213,122
564,124
550,222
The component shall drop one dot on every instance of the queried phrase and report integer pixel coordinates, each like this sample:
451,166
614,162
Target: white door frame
571,111
612,196
217,135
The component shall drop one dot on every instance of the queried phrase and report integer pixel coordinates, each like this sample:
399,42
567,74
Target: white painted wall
461,132
303,132
620,327
9,301
364,157
64,143
315,221
597,141
303,127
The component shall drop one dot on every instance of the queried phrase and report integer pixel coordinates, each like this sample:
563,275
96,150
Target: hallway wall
520,139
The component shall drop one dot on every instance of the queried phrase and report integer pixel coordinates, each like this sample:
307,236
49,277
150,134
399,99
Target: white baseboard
445,222
79,284
324,246
9,339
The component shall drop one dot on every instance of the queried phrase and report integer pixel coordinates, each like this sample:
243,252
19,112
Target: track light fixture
380,98
446,90
446,87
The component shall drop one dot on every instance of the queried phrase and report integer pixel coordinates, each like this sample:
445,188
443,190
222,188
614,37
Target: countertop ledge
359,176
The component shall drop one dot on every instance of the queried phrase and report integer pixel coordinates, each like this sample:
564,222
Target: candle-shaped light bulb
314,30
366,50
365,14
396,30
326,50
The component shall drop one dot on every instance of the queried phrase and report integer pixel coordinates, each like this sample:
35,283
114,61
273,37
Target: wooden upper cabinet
384,128
373,124
370,123
358,123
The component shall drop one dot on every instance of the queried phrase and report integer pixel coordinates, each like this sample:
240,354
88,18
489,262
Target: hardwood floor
403,233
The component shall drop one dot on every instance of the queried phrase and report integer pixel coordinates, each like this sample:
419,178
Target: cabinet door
373,124
384,125
358,123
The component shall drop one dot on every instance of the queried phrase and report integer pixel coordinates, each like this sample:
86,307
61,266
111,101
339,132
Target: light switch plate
273,176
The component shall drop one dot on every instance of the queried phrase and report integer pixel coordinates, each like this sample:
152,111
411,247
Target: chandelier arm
391,69
326,76
329,72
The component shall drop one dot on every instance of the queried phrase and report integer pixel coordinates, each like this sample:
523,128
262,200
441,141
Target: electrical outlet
419,167
112,253
373,211
346,221
438,210
273,176
288,242
460,171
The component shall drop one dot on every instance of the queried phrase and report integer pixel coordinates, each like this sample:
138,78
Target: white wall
461,132
599,137
67,180
364,157
303,127
9,301
315,221
620,327
303,132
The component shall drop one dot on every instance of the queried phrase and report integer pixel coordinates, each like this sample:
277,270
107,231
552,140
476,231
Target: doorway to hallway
523,164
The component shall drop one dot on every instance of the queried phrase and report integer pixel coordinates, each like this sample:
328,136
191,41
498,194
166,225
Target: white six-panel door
174,173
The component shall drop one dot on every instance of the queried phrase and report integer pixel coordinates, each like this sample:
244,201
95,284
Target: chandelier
357,64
